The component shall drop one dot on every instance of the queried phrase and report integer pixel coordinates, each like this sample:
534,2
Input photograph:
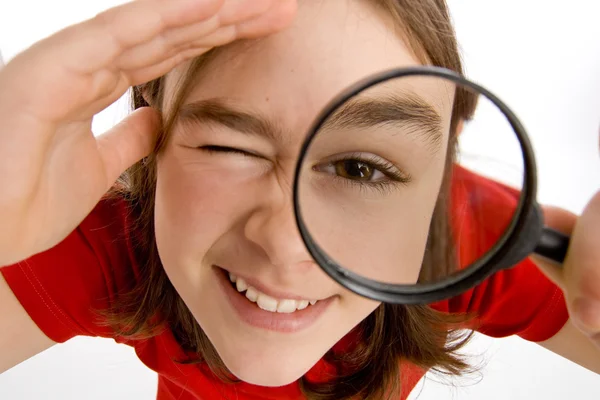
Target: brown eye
355,170
362,171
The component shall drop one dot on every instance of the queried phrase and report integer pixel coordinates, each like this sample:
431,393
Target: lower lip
250,313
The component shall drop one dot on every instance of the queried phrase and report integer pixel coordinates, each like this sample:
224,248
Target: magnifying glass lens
397,188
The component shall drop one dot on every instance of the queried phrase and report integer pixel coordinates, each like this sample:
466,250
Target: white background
541,57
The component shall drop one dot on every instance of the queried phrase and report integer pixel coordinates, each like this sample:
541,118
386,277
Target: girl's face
224,200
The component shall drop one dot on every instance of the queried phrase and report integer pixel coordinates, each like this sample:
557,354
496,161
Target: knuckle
586,314
105,19
595,338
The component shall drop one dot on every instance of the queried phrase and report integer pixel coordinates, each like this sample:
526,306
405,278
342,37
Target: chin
268,363
268,373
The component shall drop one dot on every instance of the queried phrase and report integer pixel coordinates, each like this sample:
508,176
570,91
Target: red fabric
518,301
60,287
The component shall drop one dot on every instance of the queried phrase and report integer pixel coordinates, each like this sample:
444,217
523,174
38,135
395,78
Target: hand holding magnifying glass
579,275
387,194
375,166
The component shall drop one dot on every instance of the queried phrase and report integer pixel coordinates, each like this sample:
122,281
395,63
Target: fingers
128,142
146,74
559,219
75,67
237,19
164,46
102,57
281,16
169,43
563,221
235,11
582,271
94,44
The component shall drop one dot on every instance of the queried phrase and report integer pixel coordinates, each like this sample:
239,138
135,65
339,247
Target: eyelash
395,177
213,149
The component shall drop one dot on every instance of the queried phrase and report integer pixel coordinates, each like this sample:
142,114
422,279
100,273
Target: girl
203,204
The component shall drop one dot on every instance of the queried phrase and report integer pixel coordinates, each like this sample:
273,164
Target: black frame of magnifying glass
520,240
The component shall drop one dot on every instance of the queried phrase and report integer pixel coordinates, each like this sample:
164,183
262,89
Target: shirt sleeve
517,301
64,288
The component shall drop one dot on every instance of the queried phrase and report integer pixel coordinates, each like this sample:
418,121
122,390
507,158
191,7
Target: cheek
382,237
195,206
356,309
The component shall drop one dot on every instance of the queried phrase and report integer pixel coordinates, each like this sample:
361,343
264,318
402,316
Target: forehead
290,76
331,45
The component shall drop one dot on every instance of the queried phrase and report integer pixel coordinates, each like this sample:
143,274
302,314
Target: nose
272,227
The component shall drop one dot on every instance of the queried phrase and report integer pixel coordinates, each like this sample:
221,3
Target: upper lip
268,291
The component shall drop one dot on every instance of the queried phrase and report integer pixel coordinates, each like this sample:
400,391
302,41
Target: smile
266,302
272,312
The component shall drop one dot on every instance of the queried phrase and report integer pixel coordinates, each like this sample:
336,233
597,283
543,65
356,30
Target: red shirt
60,287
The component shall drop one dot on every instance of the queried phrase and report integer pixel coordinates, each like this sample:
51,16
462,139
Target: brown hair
395,333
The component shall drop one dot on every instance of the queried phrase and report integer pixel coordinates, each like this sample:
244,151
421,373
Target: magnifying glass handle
553,245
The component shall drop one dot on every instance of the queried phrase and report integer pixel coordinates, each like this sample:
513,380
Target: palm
52,168
77,171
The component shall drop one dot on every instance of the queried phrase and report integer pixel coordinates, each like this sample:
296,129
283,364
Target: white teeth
266,302
252,294
241,285
287,306
302,304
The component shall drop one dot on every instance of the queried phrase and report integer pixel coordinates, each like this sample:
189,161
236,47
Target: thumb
128,142
582,270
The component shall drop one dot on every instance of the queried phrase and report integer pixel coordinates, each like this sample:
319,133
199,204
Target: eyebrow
216,111
408,110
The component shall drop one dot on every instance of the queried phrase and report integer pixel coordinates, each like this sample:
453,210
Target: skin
43,133
579,278
235,211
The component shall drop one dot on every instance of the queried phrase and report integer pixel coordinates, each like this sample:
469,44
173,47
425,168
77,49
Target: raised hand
53,170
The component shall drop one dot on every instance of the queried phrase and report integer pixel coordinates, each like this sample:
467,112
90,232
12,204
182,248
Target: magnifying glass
386,198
